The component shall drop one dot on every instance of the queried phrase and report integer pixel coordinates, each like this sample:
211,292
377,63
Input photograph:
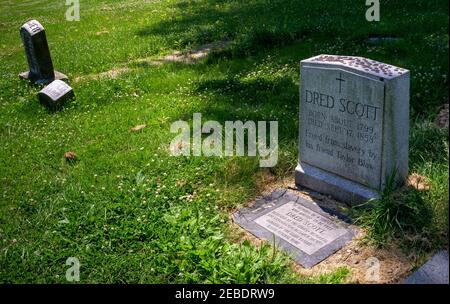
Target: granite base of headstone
39,60
308,232
55,95
353,125
57,76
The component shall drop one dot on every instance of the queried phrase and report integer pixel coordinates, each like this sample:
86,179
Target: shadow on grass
255,91
255,26
255,23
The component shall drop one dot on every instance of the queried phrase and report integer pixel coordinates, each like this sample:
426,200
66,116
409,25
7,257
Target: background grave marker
55,94
38,54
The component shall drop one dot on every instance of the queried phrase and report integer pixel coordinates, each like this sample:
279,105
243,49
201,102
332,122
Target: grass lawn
128,210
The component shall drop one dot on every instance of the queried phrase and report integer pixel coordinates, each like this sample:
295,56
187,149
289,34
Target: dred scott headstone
38,54
354,125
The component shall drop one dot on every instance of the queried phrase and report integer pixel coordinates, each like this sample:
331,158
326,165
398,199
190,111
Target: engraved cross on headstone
38,54
340,81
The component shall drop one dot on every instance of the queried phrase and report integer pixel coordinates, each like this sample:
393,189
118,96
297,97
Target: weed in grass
397,215
337,277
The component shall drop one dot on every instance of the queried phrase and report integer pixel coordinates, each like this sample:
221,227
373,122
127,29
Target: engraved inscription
56,89
340,124
34,26
305,229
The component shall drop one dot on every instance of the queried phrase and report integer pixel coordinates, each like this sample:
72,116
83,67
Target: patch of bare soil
367,264
189,57
114,73
418,182
138,128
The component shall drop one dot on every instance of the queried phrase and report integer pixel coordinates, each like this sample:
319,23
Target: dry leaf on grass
138,128
418,181
70,156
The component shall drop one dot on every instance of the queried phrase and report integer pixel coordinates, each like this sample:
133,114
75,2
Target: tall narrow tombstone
38,54
354,126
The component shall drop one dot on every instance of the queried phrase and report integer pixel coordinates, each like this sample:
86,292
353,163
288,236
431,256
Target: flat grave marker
55,94
302,228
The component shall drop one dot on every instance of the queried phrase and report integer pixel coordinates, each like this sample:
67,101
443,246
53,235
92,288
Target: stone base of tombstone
58,76
331,184
55,95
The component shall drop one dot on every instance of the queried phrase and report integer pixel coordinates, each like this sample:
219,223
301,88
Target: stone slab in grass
306,231
435,271
55,94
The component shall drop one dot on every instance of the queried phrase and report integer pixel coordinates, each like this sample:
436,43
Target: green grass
415,219
128,210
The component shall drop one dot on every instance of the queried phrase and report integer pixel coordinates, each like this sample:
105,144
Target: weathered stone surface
300,227
38,54
354,125
435,271
55,94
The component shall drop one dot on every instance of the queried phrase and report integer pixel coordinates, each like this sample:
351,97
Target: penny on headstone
300,227
55,94
354,126
38,54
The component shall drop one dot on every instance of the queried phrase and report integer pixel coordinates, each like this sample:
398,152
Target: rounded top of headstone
32,27
56,89
369,66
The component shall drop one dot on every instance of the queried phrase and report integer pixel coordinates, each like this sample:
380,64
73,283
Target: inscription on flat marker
55,94
298,226
305,229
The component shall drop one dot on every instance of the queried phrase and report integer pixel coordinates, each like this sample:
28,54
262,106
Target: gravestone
354,126
55,94
435,271
299,226
38,54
